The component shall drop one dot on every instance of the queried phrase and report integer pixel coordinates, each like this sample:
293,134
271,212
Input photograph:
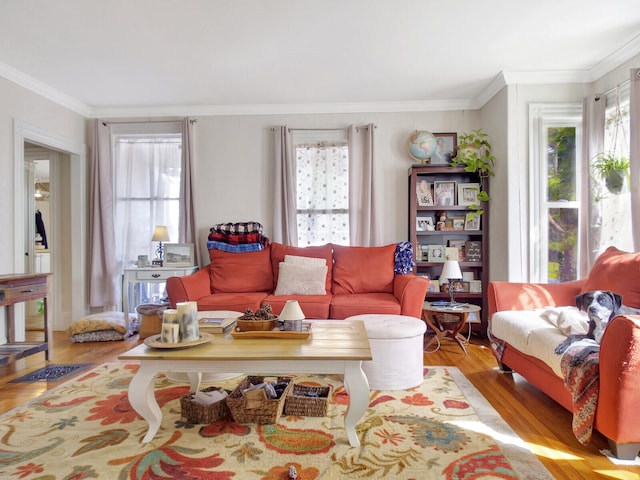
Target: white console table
149,275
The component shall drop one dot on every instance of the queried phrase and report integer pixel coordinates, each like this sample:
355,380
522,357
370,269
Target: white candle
170,332
188,320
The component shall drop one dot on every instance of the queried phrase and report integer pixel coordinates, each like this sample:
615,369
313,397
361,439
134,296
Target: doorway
67,235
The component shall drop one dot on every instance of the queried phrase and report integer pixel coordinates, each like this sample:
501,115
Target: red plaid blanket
582,378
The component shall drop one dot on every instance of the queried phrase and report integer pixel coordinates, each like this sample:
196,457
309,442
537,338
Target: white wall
235,172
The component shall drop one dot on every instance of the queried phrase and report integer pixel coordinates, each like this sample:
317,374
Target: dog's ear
579,299
617,300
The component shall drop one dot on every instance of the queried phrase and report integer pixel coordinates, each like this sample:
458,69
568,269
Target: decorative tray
154,341
275,333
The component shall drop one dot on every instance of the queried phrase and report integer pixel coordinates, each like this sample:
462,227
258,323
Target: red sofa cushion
241,272
616,271
344,306
363,269
278,251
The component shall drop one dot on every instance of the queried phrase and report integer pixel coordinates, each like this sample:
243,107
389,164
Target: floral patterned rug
86,428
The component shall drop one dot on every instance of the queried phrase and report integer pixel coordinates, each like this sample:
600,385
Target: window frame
541,118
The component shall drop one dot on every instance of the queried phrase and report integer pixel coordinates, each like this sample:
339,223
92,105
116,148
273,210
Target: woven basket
197,413
297,403
254,406
150,316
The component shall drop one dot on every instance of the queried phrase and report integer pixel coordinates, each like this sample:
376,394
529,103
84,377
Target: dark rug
52,373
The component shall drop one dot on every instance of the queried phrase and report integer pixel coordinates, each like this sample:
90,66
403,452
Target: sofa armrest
619,397
528,296
410,290
189,288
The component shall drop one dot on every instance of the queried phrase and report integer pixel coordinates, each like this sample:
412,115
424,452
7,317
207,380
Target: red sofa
359,280
617,414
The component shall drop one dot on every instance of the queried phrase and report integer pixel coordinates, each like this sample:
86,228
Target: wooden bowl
255,325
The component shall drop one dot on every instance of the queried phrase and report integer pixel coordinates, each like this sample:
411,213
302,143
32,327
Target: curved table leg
143,400
358,387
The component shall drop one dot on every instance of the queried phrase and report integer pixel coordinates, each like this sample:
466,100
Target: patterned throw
583,381
87,429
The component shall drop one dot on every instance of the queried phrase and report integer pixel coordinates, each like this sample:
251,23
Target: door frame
75,259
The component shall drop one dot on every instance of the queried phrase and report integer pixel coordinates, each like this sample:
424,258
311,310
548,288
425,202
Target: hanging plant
613,169
474,154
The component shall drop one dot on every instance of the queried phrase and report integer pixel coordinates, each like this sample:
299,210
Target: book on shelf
216,324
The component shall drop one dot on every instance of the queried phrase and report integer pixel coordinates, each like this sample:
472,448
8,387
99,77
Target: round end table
434,314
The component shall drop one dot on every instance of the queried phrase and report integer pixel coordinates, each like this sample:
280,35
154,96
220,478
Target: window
322,187
147,169
555,133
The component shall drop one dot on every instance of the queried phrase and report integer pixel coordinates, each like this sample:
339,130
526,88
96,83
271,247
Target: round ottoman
396,347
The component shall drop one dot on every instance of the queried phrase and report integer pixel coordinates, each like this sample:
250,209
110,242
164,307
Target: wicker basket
297,403
197,413
254,406
150,316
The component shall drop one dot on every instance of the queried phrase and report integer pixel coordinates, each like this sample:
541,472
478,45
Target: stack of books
215,324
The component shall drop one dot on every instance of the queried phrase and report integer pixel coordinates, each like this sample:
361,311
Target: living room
234,144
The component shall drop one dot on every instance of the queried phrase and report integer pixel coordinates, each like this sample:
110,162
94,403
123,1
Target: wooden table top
329,340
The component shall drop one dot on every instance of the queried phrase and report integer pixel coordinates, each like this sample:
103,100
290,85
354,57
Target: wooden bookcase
474,256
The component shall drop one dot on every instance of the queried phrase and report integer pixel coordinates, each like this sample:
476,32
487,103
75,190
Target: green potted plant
613,169
474,154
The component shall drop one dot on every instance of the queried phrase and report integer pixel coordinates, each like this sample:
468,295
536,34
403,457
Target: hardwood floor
538,420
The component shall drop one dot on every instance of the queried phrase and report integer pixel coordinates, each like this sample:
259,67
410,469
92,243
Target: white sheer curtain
634,122
104,288
147,171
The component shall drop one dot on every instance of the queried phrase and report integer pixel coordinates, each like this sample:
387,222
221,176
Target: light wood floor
538,420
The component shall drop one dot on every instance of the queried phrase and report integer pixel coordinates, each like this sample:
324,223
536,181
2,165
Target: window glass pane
563,244
561,164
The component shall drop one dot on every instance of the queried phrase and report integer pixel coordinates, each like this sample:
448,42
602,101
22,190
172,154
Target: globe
421,145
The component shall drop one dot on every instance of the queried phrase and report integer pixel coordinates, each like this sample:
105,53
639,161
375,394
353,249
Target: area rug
52,373
86,428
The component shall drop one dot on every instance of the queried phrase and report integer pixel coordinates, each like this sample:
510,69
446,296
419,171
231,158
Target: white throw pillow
301,280
306,261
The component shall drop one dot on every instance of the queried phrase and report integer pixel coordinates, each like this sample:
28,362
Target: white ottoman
396,347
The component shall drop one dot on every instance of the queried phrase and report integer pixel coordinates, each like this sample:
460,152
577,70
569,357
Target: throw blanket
581,370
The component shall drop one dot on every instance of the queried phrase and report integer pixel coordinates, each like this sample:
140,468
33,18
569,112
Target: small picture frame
472,221
423,193
458,223
446,148
468,193
178,255
434,286
435,253
445,193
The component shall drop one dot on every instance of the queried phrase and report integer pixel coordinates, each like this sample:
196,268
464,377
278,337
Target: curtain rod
613,89
192,121
322,129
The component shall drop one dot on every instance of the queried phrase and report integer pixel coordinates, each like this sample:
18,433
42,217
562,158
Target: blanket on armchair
581,370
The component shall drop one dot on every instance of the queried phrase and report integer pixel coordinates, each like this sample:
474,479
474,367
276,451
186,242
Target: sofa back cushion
278,252
241,272
363,269
616,271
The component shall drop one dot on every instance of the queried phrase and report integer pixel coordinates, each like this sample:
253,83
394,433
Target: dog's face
601,306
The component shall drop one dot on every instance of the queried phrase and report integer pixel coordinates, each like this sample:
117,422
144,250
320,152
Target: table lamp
160,234
292,316
451,271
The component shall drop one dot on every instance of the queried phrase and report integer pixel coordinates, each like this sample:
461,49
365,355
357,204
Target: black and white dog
601,306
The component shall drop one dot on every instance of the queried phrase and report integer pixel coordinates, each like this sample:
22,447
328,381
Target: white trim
77,242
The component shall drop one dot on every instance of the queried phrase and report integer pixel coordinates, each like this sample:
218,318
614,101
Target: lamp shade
292,311
451,270
160,234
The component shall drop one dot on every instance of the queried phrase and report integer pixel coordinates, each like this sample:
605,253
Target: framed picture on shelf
435,253
460,245
468,193
178,255
446,148
458,223
424,224
445,193
472,221
423,192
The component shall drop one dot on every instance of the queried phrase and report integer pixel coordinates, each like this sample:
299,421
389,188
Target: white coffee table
334,346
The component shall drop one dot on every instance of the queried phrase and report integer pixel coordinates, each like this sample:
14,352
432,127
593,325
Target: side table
433,314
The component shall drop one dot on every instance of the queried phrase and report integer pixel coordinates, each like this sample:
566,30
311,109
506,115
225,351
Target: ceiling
163,57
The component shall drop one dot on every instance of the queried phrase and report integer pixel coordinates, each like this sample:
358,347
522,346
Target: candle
170,332
188,321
